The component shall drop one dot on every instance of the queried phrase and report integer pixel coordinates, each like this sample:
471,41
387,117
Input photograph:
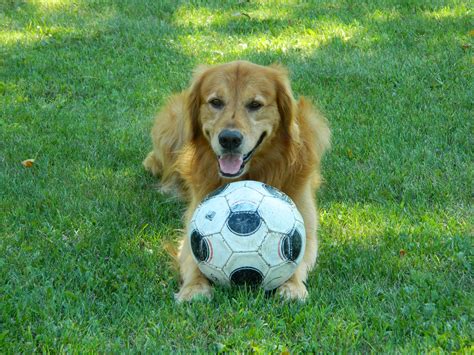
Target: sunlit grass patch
449,12
385,15
360,221
11,37
33,34
51,4
303,38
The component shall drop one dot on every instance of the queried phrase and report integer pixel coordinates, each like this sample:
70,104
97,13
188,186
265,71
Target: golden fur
186,146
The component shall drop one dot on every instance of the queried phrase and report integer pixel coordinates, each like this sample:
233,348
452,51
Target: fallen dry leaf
28,163
350,154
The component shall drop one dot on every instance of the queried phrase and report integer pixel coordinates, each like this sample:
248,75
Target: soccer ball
247,232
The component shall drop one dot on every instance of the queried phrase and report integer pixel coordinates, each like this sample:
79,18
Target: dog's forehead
239,80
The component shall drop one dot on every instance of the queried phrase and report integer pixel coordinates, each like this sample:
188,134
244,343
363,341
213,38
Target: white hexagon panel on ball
214,274
277,275
229,188
245,194
211,249
211,215
278,214
270,249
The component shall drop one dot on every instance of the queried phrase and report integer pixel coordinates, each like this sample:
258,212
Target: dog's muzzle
232,165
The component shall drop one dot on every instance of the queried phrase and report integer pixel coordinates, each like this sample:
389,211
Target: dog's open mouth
232,165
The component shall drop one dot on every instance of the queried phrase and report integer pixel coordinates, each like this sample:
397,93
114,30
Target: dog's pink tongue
230,163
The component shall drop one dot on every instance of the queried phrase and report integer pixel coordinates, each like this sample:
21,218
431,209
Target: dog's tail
172,250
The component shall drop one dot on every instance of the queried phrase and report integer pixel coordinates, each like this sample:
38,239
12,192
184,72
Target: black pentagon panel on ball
246,276
244,223
215,192
291,246
277,193
199,246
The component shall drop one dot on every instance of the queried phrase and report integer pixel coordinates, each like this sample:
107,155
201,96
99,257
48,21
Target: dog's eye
254,106
217,103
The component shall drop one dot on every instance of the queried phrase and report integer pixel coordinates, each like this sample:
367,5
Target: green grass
82,263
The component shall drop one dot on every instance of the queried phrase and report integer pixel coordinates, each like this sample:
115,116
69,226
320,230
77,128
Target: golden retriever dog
240,121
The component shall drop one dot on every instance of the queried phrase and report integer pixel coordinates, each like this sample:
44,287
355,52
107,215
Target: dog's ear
285,102
194,100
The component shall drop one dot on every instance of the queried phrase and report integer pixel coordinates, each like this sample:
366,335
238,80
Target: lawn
82,264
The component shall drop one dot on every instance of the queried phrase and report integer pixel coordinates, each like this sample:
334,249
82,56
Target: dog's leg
152,164
169,182
295,287
194,285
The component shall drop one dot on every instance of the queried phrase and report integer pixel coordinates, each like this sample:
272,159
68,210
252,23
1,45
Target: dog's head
238,108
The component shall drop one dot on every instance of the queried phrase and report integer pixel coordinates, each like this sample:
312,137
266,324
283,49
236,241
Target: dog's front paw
293,290
194,291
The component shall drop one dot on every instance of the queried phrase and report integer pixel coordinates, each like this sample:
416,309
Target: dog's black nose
230,140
